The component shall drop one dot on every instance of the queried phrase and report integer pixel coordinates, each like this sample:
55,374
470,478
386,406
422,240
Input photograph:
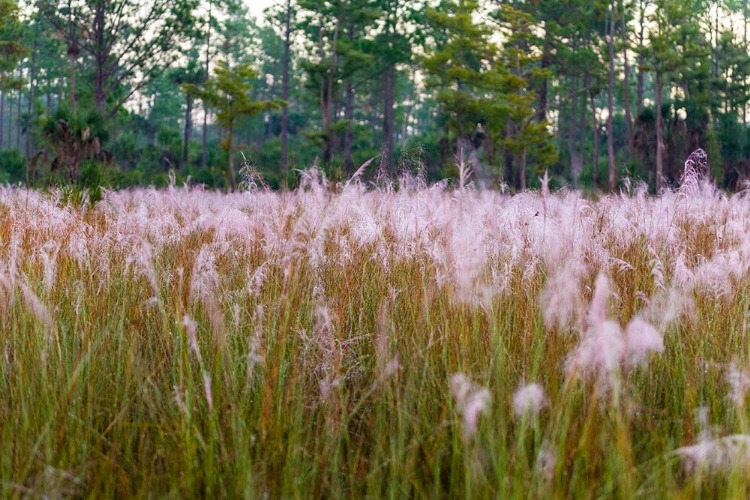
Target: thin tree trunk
659,138
326,93
188,129
285,95
545,62
230,156
716,41
100,59
595,129
641,41
349,134
2,119
626,82
335,143
328,115
573,134
9,142
744,25
510,174
18,112
610,99
72,54
72,85
349,116
407,115
522,169
581,131
204,142
30,104
389,78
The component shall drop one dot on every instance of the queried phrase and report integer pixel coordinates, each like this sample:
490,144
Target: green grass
111,401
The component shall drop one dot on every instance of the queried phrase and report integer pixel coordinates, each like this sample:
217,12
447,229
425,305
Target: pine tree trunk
2,119
72,52
349,134
745,45
18,113
510,175
32,88
72,86
188,129
543,87
716,42
407,116
326,92
285,95
610,99
595,128
659,138
349,117
9,142
626,82
204,141
641,41
100,59
335,143
573,135
230,155
329,100
389,78
580,132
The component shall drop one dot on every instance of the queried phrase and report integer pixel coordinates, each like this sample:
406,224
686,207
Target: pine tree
228,93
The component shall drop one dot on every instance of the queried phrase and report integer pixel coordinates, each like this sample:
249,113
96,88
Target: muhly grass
346,343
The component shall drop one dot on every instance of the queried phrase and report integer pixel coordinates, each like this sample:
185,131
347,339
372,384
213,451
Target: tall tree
206,72
191,73
671,20
126,42
12,50
322,25
642,21
394,48
459,70
228,93
284,17
612,179
624,31
521,73
356,50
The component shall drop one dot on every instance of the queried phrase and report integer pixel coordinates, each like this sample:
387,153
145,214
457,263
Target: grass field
344,343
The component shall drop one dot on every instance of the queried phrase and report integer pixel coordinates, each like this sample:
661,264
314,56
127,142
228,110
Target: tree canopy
592,92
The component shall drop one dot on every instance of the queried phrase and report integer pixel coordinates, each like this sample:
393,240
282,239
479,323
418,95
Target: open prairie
351,343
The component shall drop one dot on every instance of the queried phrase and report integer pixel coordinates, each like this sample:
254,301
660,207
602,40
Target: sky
257,6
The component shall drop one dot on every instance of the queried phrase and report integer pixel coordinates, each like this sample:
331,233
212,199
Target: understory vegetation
344,342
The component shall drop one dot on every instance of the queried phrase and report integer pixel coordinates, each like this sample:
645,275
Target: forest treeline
125,92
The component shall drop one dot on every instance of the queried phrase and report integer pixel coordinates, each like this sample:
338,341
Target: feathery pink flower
529,400
471,401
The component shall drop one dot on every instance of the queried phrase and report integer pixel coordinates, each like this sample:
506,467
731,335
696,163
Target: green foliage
11,49
74,139
478,82
228,92
516,88
12,167
460,68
